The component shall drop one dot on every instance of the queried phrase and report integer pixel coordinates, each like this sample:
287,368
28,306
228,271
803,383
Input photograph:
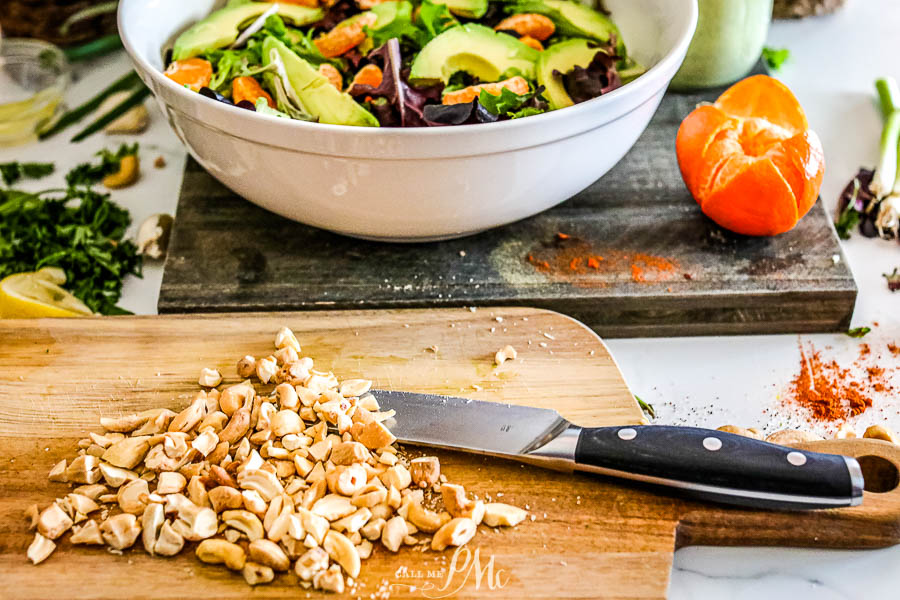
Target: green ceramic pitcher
728,42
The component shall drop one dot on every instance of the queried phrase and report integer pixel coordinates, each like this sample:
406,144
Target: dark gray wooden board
229,255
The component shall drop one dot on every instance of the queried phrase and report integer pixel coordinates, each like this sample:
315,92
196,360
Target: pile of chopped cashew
303,476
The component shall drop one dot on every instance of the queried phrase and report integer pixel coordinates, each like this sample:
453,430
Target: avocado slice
575,20
563,57
470,9
475,49
222,27
319,97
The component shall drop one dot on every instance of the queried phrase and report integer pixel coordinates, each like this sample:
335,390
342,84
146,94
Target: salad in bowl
402,63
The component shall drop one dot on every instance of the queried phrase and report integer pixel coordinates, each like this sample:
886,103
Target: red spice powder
565,255
826,389
894,349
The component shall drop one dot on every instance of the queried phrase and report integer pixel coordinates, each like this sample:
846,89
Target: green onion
98,47
73,116
646,407
130,102
888,95
883,183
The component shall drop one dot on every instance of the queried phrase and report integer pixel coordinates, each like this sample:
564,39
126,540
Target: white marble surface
700,381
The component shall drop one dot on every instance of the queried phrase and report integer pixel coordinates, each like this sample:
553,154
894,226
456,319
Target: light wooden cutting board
591,537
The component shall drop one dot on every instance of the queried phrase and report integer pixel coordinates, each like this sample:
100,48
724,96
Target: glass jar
728,43
33,78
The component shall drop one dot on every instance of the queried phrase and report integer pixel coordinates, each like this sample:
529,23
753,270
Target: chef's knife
712,465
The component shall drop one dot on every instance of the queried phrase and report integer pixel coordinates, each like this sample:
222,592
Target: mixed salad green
402,63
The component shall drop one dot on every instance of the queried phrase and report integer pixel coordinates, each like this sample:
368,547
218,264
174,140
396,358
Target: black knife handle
722,467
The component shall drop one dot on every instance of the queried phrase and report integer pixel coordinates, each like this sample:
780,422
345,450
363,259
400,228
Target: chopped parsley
77,229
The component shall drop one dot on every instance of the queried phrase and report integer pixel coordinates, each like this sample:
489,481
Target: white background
699,381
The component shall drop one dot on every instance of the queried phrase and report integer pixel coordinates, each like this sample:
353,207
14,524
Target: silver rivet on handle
712,443
797,459
627,434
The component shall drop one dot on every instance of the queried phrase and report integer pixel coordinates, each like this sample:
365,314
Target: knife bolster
557,454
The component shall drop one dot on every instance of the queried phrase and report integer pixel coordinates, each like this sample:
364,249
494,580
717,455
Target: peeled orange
750,159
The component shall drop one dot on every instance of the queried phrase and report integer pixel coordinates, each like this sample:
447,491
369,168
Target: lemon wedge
39,294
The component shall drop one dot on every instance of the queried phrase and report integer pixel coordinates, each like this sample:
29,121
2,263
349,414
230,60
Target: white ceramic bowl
413,184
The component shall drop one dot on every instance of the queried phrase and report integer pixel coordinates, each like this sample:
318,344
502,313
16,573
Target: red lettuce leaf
440,115
405,104
598,78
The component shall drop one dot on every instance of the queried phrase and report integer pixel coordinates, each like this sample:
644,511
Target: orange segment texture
750,160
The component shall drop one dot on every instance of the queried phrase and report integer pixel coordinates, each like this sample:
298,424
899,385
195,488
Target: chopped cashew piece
372,530
266,368
81,504
343,552
393,533
40,549
346,480
333,507
84,469
120,531
425,471
504,354
221,552
151,522
116,476
132,496
313,561
285,338
127,453
881,432
397,476
355,387
426,520
88,533
373,435
285,422
256,574
244,521
210,378
194,522
330,580
498,513
246,367
456,532
224,497
455,500
32,513
347,453
270,554
170,542
170,483
236,396
58,472
53,522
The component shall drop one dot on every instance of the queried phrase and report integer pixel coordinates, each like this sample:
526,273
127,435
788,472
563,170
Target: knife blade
712,465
